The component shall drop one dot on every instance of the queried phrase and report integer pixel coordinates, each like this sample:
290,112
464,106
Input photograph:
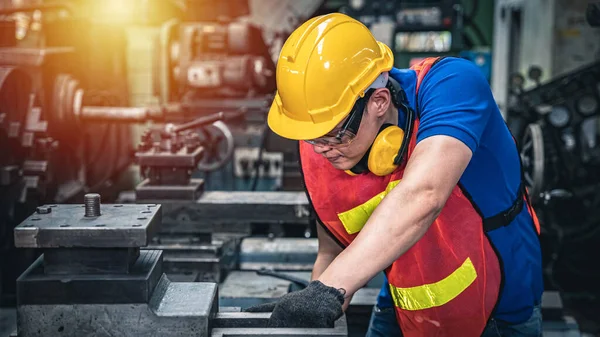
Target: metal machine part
168,157
587,105
218,210
219,144
239,324
201,257
69,110
166,166
15,139
193,249
559,117
172,309
112,285
297,254
532,157
247,288
94,279
593,14
225,57
250,162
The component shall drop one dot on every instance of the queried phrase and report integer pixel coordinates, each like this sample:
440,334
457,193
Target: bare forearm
321,263
387,235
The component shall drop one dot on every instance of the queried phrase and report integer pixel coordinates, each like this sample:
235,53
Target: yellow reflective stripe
435,294
355,219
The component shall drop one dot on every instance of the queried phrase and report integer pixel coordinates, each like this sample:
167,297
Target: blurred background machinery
551,104
164,102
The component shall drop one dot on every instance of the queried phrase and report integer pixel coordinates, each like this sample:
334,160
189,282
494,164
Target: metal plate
168,159
278,253
35,287
254,325
189,192
216,208
209,261
65,226
175,310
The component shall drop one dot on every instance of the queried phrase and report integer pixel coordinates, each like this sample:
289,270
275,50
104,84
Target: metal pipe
45,7
120,114
198,122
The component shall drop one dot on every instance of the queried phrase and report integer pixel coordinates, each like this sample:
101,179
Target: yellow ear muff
384,150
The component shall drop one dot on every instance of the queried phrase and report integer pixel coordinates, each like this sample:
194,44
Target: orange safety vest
448,283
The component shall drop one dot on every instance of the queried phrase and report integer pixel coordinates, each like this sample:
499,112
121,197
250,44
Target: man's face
346,156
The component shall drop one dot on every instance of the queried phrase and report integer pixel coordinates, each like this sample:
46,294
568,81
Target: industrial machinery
593,14
557,124
210,54
95,278
66,123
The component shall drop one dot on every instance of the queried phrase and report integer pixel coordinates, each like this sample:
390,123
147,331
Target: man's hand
316,306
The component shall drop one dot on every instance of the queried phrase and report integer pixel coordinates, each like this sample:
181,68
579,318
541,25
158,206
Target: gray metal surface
31,56
278,253
197,260
245,289
216,208
182,158
175,310
36,286
253,325
190,192
66,226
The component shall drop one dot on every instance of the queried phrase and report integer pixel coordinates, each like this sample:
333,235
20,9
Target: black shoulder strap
505,217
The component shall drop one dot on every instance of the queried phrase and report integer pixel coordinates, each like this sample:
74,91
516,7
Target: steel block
190,192
216,208
118,226
278,253
232,324
192,260
174,310
35,287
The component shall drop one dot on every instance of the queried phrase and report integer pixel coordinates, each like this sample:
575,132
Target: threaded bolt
92,204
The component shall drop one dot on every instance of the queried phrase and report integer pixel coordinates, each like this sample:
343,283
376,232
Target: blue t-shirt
455,100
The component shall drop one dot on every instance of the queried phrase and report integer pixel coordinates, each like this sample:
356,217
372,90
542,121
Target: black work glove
316,306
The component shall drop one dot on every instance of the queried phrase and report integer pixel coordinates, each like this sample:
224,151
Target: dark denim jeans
383,324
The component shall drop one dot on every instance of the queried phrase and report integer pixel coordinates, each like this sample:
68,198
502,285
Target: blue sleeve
455,100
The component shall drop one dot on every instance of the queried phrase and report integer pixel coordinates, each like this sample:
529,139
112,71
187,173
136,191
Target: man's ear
380,102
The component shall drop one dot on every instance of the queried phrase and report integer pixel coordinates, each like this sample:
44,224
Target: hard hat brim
290,128
305,128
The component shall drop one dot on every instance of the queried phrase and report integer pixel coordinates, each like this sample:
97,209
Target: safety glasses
346,133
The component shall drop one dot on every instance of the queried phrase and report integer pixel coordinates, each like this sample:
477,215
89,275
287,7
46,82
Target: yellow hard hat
323,68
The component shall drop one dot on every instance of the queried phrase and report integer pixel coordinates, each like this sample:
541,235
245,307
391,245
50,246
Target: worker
412,172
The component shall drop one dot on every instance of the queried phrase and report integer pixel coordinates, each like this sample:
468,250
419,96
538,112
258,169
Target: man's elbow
429,202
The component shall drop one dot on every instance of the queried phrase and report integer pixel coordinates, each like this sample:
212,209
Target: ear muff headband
408,127
391,144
